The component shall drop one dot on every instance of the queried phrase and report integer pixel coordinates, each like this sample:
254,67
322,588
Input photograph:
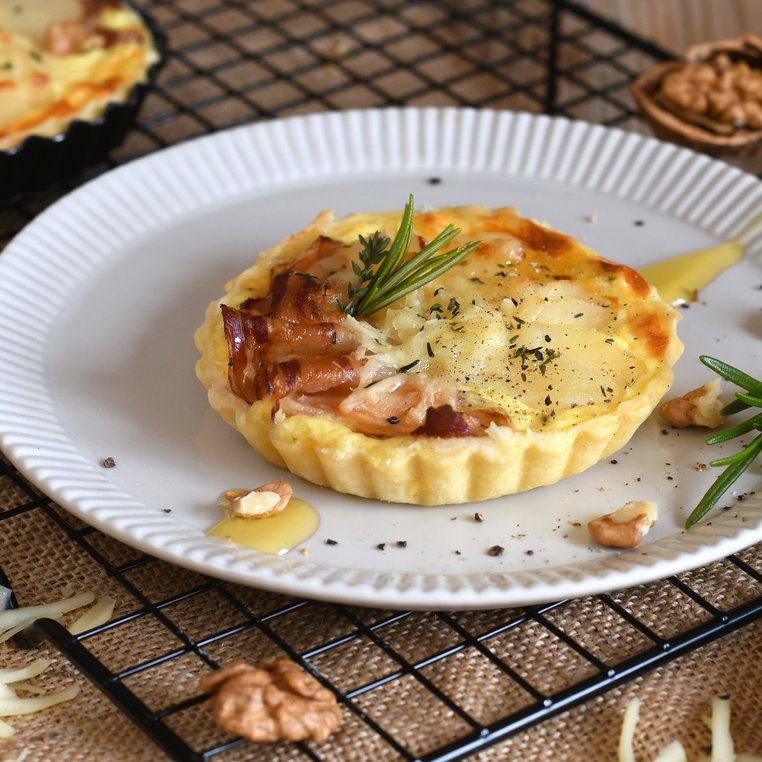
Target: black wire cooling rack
233,61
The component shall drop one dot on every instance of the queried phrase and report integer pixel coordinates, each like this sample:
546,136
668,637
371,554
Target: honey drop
681,278
275,534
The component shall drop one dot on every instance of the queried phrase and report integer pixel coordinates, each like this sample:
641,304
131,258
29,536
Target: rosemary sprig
386,274
736,464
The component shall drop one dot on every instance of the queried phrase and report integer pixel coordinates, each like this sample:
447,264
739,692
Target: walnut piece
626,526
700,407
273,701
258,503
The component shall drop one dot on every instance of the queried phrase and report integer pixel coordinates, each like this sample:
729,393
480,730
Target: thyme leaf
385,274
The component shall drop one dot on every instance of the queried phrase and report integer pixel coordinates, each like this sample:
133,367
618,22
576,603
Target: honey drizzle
680,279
277,534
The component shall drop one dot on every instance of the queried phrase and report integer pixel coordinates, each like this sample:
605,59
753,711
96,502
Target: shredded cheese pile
718,723
16,680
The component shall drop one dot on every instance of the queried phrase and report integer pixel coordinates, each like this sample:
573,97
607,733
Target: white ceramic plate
101,294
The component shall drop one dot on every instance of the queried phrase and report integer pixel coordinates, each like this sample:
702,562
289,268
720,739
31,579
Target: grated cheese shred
722,741
719,724
99,613
629,721
14,680
12,621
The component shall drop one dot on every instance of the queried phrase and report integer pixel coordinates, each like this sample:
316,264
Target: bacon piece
321,248
412,403
393,405
254,374
322,403
64,38
92,8
443,421
405,403
299,297
245,361
309,376
288,340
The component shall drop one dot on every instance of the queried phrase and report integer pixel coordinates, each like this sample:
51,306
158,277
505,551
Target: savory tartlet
63,61
525,363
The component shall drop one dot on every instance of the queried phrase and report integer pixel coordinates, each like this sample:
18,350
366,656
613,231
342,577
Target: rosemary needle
385,274
736,464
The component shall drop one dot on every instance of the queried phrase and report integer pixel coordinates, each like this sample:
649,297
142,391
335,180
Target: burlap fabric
44,561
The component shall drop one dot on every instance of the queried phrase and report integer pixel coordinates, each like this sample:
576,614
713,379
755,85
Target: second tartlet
72,77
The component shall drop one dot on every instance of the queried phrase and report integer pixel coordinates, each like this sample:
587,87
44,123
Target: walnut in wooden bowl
710,101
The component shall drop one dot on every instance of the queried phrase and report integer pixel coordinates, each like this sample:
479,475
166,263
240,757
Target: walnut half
626,526
700,407
273,701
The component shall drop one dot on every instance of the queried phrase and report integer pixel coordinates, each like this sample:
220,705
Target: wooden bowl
683,127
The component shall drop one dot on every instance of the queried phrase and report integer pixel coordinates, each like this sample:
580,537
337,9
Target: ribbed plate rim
209,171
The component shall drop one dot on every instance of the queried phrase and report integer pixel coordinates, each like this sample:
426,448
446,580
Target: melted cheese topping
41,91
532,323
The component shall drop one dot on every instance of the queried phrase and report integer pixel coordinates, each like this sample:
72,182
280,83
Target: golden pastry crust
565,352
